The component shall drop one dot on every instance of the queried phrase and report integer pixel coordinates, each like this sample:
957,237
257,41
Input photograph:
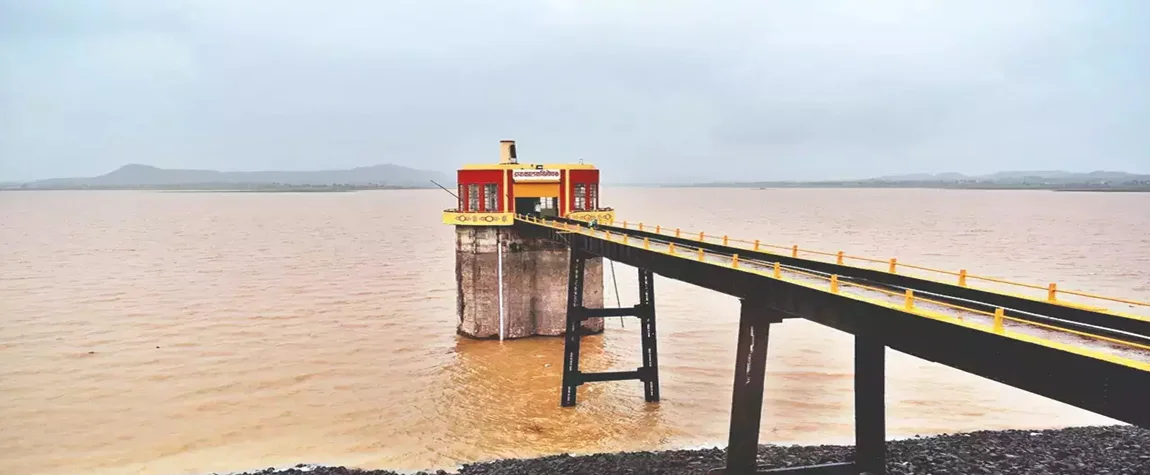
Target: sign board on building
536,175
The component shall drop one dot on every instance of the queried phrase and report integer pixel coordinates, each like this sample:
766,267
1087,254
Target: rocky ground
1109,450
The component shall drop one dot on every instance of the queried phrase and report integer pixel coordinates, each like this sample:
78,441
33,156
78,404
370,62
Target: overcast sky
648,90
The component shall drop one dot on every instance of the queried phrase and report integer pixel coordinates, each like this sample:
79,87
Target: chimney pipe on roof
507,152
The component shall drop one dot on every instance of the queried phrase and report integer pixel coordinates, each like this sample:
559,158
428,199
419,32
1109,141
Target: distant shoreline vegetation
1052,180
1133,186
1049,180
395,177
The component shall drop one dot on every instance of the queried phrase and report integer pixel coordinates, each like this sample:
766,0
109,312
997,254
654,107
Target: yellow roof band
528,166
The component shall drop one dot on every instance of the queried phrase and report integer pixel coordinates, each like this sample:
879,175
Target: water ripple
157,333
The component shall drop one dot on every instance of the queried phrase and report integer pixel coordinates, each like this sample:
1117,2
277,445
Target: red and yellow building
492,194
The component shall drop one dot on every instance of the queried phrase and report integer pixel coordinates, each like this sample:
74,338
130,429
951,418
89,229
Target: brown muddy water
169,333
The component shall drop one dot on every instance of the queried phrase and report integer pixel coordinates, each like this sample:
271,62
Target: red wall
564,194
567,181
480,177
573,177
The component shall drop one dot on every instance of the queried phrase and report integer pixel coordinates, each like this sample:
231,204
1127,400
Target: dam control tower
511,286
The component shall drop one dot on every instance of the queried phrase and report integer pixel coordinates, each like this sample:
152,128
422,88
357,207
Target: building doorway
546,207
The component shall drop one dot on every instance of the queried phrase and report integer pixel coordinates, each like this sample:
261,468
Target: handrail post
671,248
624,224
702,237
658,229
893,264
839,261
962,278
908,302
735,261
778,271
756,244
646,244
677,232
700,254
625,239
724,239
1051,292
795,250
834,283
640,226
999,314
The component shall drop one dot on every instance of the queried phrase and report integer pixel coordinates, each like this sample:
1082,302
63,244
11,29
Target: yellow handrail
893,265
963,276
909,303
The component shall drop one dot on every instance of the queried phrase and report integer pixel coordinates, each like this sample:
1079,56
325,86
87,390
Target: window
580,196
473,197
490,197
593,196
460,207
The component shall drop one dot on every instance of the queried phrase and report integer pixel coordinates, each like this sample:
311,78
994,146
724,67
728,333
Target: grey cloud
647,90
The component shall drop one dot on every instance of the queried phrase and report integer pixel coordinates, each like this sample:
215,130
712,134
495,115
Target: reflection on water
499,399
160,333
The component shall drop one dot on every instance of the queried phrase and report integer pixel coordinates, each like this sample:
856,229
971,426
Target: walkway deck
1084,355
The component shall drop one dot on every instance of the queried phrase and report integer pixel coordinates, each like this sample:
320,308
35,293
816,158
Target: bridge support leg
650,369
571,376
747,400
577,313
870,417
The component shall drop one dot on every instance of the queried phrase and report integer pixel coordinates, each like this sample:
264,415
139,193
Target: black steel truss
1017,307
1104,387
577,313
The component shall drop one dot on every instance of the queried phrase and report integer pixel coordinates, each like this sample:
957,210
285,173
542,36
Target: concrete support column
534,284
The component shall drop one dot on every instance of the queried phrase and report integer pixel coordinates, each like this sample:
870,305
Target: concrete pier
534,273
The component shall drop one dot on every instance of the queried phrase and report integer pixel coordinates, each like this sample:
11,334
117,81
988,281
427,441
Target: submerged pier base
533,293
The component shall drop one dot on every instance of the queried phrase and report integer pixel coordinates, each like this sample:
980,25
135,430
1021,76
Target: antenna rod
445,189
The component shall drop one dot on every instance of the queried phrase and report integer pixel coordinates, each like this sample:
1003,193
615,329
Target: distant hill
1019,177
923,177
146,176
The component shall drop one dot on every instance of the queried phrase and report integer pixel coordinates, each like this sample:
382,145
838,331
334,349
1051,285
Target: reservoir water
171,333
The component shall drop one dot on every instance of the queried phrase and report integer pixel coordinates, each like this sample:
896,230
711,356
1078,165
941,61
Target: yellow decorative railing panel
478,219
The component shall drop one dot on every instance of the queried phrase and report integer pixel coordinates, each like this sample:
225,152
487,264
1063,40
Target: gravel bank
1111,450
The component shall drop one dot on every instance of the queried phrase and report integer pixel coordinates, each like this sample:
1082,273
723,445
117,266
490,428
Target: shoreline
260,188
1119,449
285,189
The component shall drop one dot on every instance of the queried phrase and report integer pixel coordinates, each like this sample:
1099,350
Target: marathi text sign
535,175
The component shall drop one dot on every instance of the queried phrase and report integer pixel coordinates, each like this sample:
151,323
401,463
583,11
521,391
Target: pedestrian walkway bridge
1083,349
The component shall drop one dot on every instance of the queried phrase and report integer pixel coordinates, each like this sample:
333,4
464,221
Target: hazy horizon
676,92
911,176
